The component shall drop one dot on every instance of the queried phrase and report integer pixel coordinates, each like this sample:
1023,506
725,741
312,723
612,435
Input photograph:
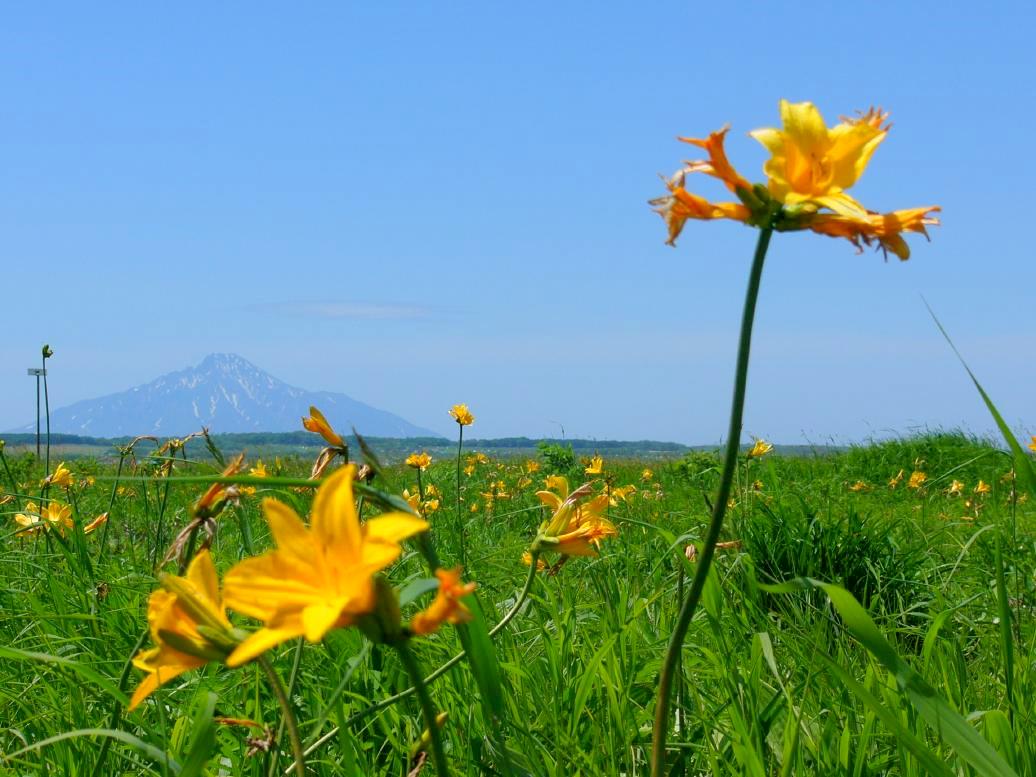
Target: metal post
36,372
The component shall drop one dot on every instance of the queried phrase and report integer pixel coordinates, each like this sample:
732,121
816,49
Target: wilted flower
319,577
188,625
595,467
447,606
462,415
917,479
810,169
761,448
419,460
316,423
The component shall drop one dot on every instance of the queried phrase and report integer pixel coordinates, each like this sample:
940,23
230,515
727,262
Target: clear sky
426,203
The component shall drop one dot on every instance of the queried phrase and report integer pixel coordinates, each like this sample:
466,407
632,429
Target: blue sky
426,203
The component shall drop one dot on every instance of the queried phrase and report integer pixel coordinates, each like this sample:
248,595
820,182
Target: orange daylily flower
810,168
447,606
316,423
96,523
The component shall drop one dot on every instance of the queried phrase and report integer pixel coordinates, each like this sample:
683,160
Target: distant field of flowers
171,609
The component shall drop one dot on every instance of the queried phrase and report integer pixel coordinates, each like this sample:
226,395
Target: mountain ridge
226,393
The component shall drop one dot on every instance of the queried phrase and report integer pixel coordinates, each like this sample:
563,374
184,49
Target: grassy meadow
928,534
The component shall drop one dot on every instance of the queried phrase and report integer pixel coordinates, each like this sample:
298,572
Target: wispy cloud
340,310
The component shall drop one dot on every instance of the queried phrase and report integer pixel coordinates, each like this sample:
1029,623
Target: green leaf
80,669
1023,466
204,736
949,723
149,751
417,588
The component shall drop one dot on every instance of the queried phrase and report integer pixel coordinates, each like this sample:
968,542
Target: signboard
36,372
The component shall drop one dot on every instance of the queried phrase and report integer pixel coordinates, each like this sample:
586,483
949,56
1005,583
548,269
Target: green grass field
770,682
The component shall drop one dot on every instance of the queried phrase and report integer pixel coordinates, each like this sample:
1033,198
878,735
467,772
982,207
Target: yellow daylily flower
188,625
419,461
917,479
61,477
595,467
811,163
447,606
319,577
1032,445
53,516
316,423
761,448
858,486
647,475
956,488
575,527
462,415
259,470
983,487
893,482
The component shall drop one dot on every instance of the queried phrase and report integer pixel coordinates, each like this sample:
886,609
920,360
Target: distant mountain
227,394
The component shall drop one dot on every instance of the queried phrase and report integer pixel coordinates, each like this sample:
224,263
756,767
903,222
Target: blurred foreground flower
319,577
447,606
188,625
810,168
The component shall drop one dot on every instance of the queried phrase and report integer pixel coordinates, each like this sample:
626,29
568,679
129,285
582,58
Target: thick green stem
719,509
442,768
288,717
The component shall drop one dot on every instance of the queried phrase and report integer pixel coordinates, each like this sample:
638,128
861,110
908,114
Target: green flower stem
442,767
10,477
390,700
111,505
292,678
116,715
719,509
460,518
288,717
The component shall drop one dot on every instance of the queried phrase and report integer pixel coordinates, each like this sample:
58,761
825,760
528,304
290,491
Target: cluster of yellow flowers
319,577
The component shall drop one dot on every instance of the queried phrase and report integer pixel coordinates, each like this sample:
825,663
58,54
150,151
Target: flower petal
334,513
264,639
